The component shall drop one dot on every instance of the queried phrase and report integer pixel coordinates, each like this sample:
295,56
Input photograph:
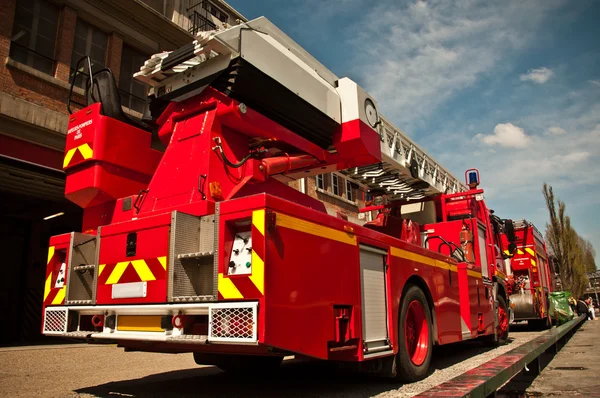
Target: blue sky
509,87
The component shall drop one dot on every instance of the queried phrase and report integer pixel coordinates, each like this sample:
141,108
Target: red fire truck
529,276
193,242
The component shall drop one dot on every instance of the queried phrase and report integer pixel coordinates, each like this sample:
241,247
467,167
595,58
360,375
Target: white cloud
595,82
413,58
507,135
555,130
538,75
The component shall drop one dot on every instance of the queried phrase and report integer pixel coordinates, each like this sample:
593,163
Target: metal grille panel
81,268
191,262
233,322
55,320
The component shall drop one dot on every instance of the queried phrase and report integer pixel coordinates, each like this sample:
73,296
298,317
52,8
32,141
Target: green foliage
572,253
589,255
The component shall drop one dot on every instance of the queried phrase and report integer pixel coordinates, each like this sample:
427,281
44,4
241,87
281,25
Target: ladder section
406,171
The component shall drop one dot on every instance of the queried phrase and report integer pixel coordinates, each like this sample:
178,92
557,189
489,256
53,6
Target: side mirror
509,230
512,247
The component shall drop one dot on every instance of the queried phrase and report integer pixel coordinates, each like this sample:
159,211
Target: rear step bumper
231,322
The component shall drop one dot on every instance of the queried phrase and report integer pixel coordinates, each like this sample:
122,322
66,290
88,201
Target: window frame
349,191
89,42
128,91
31,46
335,179
320,178
213,9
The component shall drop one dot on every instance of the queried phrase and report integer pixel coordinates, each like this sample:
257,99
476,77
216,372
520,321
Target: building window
133,92
349,192
220,15
335,186
320,181
88,41
34,34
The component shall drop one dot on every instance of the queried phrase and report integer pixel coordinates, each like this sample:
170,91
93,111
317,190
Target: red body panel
105,159
152,244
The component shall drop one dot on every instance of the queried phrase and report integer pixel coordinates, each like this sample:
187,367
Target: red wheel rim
416,333
502,321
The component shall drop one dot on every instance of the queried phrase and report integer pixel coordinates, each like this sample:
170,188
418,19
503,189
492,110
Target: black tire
407,369
239,363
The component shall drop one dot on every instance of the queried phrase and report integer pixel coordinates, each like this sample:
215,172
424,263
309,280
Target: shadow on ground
295,378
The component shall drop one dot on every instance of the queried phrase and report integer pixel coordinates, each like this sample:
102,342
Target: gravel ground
107,371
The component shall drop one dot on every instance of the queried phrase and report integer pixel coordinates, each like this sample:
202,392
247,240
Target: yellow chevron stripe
258,272
116,274
50,254
258,220
507,252
47,286
69,156
143,270
60,296
530,251
86,151
283,220
163,261
228,289
519,251
533,263
101,268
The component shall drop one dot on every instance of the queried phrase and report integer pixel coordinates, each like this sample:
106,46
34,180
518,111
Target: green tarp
560,310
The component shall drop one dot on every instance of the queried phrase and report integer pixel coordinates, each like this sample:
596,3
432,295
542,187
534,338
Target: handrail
77,71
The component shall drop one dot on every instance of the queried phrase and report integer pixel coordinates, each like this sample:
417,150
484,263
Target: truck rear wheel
415,336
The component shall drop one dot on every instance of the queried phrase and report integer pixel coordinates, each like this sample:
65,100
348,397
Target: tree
565,243
589,255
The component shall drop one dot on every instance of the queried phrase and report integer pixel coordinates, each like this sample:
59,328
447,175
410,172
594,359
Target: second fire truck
530,276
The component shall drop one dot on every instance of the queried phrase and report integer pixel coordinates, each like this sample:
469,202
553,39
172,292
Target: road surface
108,371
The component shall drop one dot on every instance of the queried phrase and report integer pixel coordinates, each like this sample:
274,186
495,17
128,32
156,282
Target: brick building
40,44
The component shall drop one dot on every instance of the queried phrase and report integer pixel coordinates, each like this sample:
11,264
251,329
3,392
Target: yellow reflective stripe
86,151
412,256
47,286
501,274
533,262
139,323
507,252
297,224
143,270
258,272
445,265
474,273
101,268
116,274
60,296
405,254
530,251
69,156
50,254
163,261
228,289
258,220
519,251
